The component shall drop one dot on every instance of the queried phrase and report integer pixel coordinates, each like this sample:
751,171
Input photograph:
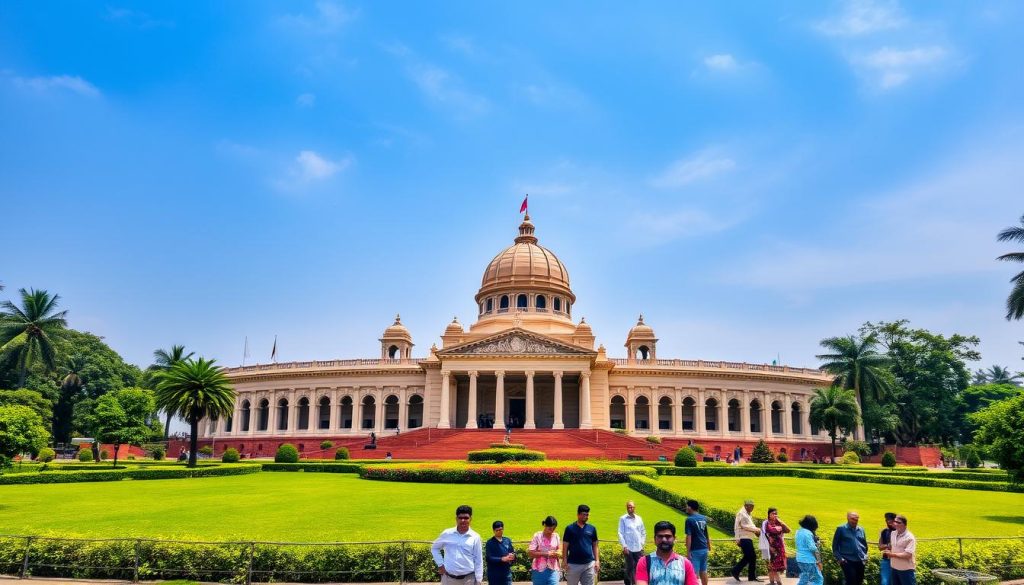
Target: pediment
516,342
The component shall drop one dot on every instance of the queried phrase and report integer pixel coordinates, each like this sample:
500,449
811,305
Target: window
503,303
522,302
541,303
490,305
558,304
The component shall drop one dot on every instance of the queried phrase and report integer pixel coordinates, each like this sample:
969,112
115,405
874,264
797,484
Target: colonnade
500,416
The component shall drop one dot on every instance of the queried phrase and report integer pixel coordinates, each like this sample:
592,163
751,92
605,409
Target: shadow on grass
1007,519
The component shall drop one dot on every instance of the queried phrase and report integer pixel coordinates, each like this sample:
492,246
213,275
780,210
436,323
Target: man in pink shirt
664,566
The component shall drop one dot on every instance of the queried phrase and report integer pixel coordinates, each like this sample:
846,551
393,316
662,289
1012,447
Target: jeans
853,572
749,560
810,575
545,577
907,577
699,560
883,571
580,574
629,566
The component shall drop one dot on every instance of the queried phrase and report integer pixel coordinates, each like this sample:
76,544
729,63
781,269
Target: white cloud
306,100
888,67
460,44
136,18
660,227
329,17
72,83
442,88
313,167
720,62
703,165
863,17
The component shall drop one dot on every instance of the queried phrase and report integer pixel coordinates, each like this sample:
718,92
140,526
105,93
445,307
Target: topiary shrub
325,445
782,457
685,457
158,453
46,455
85,455
971,457
286,453
654,439
207,450
104,455
503,455
859,447
507,446
341,453
698,449
888,459
850,458
761,453
230,455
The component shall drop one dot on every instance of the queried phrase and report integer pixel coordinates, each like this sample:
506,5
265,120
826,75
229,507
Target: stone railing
717,365
366,362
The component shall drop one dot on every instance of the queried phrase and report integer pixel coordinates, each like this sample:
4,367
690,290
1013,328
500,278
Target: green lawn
932,511
304,507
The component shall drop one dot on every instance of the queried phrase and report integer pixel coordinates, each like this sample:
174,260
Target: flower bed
535,473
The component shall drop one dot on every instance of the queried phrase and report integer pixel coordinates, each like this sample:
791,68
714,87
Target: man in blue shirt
500,556
850,548
579,549
698,545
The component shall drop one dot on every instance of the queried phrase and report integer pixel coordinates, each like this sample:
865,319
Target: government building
526,362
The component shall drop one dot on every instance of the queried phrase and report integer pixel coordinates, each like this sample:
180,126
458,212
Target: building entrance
517,412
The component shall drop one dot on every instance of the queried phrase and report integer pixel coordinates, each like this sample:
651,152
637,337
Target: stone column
499,398
787,416
272,413
471,412
630,409
530,422
745,415
558,424
723,415
293,412
699,424
677,410
445,423
403,408
254,412
585,422
378,416
805,422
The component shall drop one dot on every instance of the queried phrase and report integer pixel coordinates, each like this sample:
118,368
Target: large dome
529,268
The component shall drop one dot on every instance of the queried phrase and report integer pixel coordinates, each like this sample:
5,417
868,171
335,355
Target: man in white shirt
902,553
462,562
746,531
632,536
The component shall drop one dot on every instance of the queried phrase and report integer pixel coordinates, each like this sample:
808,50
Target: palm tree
834,408
1015,302
70,390
998,375
26,332
857,365
162,361
194,390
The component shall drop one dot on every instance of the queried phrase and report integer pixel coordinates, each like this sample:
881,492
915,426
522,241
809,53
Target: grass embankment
932,511
306,507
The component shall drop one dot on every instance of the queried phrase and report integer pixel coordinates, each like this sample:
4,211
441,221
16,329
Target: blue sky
752,177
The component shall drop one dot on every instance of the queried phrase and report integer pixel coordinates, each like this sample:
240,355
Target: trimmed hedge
286,453
318,467
507,446
516,474
137,473
504,455
719,517
841,474
685,457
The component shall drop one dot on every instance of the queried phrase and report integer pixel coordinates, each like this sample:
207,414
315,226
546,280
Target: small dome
396,330
525,266
584,328
454,327
641,329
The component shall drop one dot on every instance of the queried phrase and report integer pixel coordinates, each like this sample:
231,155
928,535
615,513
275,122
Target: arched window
796,422
642,413
643,352
369,412
665,414
568,308
345,413
503,304
263,415
323,414
391,412
246,415
282,414
711,414
617,412
734,415
393,352
541,303
558,304
490,305
228,423
304,414
522,302
777,418
755,416
689,413
415,411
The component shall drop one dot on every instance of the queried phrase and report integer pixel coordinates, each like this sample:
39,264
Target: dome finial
398,319
526,232
641,320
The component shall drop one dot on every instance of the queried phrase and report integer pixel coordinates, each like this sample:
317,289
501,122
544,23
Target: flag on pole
522,208
245,351
273,352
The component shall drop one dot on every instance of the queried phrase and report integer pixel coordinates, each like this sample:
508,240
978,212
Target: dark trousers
907,577
853,572
749,560
629,570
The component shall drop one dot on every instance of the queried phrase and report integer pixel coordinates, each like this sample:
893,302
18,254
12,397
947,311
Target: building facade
525,362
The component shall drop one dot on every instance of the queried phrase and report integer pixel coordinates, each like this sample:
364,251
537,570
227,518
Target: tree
761,453
835,409
162,361
71,387
21,431
193,390
27,332
122,416
856,364
1001,433
29,398
997,375
1014,302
